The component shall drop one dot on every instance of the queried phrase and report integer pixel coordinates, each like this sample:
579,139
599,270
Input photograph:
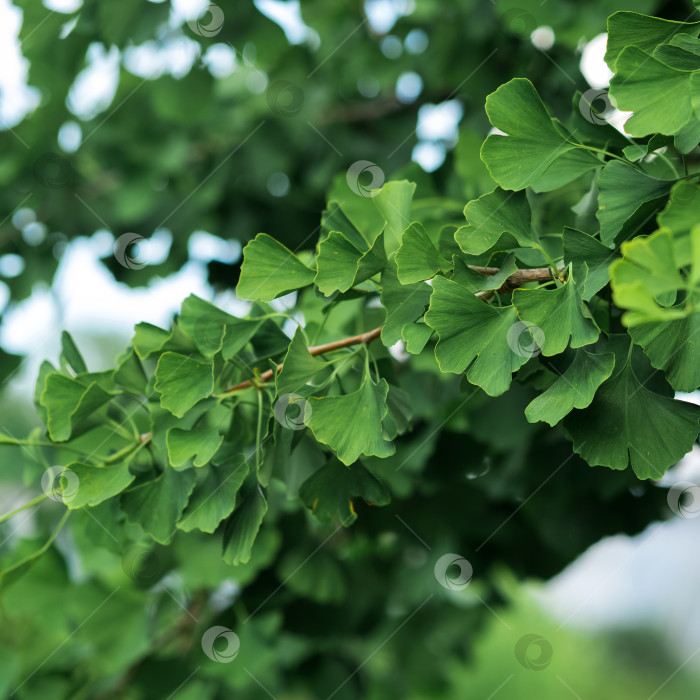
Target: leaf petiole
28,504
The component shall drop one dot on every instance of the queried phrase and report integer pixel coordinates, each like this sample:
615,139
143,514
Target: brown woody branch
314,350
517,279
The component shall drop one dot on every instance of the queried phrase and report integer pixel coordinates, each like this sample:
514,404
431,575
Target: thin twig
517,279
314,350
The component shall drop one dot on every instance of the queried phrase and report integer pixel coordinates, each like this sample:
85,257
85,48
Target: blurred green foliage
106,613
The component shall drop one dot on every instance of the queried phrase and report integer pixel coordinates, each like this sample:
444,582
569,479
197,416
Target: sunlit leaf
270,269
537,151
473,336
182,382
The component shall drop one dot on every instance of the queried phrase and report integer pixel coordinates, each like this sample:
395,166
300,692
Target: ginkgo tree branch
517,279
314,350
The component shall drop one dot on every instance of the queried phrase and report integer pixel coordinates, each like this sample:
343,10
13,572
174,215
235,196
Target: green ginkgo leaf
89,485
350,424
242,528
329,492
15,571
688,137
499,220
674,347
560,314
198,445
626,194
336,264
354,206
648,273
270,269
334,218
298,367
628,423
474,336
158,504
575,388
129,372
680,214
214,498
417,258
652,258
590,261
472,172
182,381
404,303
70,354
476,281
398,419
341,265
682,52
416,337
634,29
212,329
70,402
536,151
393,202
148,339
660,96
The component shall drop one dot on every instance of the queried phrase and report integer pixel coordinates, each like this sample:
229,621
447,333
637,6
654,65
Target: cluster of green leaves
169,441
596,379
196,151
562,299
